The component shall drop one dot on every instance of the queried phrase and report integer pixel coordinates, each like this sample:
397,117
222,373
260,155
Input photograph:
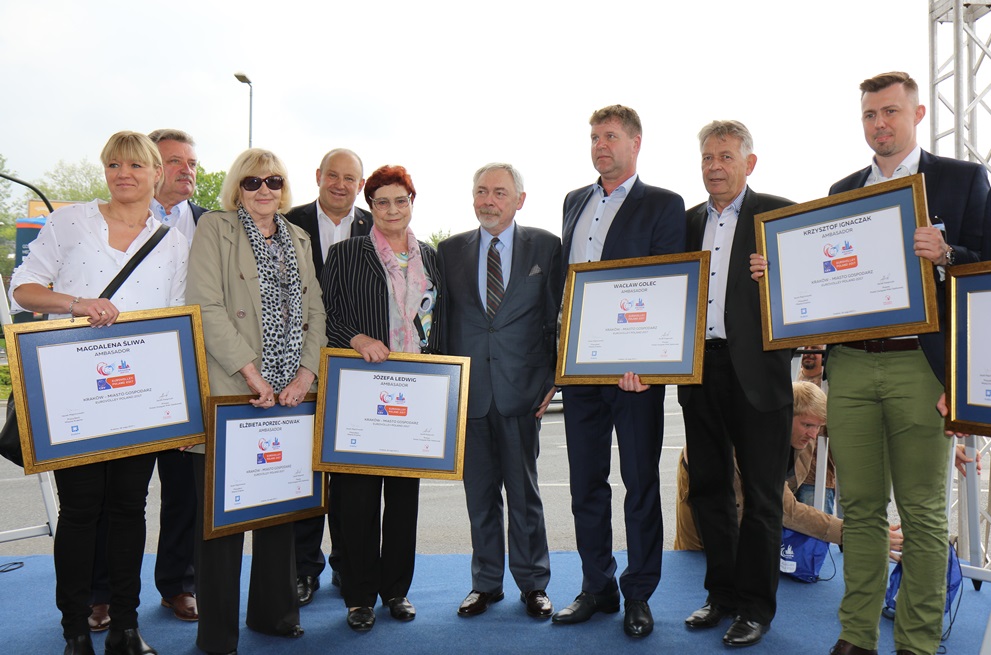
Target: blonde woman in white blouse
77,253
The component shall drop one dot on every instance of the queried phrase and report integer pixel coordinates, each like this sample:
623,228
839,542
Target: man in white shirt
174,563
331,218
172,204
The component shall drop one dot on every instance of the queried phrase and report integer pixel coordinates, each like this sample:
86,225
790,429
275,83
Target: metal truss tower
960,114
959,80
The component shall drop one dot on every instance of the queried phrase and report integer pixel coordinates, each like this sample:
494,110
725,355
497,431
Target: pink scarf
406,287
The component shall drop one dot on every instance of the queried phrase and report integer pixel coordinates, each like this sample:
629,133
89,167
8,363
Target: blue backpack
953,579
802,556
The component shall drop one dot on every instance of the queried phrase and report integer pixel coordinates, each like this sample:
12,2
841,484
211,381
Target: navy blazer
305,216
764,375
197,212
512,354
650,222
356,293
957,193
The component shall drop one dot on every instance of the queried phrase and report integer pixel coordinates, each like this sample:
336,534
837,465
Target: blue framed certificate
258,466
404,417
843,268
968,349
86,394
645,315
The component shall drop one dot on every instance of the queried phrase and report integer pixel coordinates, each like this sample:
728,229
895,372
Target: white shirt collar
908,166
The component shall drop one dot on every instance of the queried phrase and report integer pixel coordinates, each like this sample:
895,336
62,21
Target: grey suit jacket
512,354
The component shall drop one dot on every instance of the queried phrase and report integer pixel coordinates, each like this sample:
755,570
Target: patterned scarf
282,300
406,288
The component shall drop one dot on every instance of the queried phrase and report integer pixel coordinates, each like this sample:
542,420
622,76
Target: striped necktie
493,280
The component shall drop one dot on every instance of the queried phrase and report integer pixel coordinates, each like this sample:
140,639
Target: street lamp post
244,79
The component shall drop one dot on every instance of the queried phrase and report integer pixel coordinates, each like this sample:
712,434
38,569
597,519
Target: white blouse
73,253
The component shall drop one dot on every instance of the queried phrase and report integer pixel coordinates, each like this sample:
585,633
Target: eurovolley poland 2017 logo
265,457
114,376
392,405
847,257
638,315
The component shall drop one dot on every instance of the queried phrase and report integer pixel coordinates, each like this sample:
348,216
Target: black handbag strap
133,262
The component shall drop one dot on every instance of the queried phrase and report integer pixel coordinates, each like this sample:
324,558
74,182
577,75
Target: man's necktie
493,280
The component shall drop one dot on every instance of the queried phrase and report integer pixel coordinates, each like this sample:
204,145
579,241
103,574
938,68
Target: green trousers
885,433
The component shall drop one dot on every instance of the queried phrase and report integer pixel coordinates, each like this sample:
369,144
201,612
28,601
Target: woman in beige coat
252,274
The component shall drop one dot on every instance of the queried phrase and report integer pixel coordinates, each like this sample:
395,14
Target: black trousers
309,537
368,570
742,559
174,563
273,607
120,487
591,413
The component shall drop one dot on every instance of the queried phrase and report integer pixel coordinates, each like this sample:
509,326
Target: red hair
385,176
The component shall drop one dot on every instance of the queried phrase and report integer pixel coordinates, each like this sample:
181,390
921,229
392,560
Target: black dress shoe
707,616
295,632
361,619
81,645
538,605
585,605
638,621
744,633
127,642
843,647
233,652
478,601
305,586
401,609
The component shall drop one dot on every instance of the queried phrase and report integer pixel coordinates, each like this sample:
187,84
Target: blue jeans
806,495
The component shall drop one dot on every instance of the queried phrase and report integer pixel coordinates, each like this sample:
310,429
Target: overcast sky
444,87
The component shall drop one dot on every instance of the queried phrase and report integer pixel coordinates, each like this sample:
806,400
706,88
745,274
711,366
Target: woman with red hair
381,294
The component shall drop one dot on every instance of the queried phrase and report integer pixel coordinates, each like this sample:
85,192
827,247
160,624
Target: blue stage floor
806,620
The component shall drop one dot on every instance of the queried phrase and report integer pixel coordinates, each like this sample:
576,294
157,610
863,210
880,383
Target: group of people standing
276,283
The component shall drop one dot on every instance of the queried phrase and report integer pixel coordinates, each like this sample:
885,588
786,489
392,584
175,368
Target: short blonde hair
133,146
251,162
809,400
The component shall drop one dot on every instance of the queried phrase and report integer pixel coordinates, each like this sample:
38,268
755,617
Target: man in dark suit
330,219
617,217
744,404
174,563
890,437
503,292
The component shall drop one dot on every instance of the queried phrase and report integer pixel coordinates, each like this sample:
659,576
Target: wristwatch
949,255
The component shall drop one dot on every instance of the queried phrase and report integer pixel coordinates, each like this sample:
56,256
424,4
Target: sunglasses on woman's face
273,182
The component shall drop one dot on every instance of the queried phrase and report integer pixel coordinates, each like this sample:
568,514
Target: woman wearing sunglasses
382,296
252,274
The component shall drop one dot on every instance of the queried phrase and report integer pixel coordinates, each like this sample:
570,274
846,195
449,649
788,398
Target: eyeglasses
382,204
273,182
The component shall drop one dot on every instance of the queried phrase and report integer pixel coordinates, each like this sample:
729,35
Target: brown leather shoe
538,605
843,647
99,617
183,606
477,602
